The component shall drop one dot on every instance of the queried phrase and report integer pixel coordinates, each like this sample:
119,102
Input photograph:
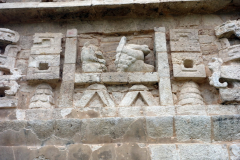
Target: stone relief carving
187,63
136,91
190,94
8,36
43,97
92,59
98,90
226,68
44,61
130,57
8,73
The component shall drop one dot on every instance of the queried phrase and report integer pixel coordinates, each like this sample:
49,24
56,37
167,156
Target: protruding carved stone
190,94
99,90
44,61
228,28
8,36
130,57
43,97
135,92
92,59
188,65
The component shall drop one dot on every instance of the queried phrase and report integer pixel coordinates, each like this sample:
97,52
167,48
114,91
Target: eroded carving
226,69
92,59
43,97
44,61
95,90
133,94
130,57
8,36
190,94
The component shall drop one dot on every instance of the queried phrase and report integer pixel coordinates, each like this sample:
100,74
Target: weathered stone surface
79,151
70,51
193,128
163,152
66,93
68,72
106,152
114,78
151,77
130,111
67,128
8,36
165,92
87,78
160,128
203,151
184,40
191,110
160,111
222,109
234,151
6,153
226,127
131,151
43,129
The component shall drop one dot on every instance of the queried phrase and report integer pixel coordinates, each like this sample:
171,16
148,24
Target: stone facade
114,80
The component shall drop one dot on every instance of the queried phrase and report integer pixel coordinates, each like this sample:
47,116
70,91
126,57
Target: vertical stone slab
68,77
160,48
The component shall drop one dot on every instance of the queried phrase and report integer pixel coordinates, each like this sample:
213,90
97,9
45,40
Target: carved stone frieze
8,36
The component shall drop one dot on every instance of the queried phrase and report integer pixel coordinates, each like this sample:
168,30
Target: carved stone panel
184,40
44,61
8,36
188,65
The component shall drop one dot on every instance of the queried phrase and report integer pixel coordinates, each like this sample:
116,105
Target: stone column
68,76
160,49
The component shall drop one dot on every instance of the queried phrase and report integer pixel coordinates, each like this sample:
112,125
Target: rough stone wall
110,115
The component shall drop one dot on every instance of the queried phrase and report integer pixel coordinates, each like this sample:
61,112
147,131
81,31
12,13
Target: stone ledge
96,9
164,129
138,151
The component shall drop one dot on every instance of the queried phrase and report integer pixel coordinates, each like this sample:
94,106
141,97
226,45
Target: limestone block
98,90
79,151
130,111
68,72
163,152
46,43
234,151
160,127
193,128
226,127
92,59
43,97
165,92
230,94
203,151
71,33
109,112
188,65
66,94
184,40
191,110
160,111
70,55
8,36
35,61
130,57
24,54
162,64
67,128
6,153
151,77
222,109
160,44
114,78
38,114
132,151
87,78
